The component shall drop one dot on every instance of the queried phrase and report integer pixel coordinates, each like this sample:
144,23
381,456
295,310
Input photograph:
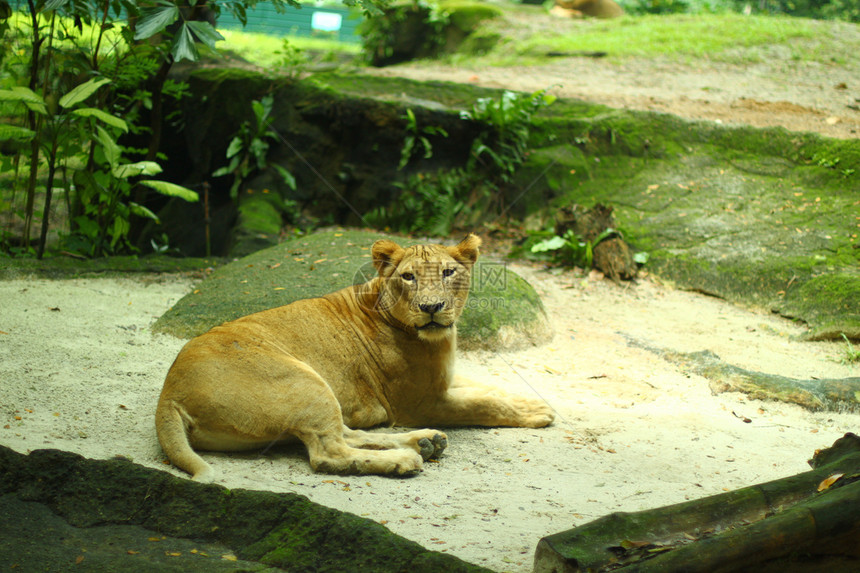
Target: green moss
503,311
829,302
276,529
258,226
449,95
467,15
61,267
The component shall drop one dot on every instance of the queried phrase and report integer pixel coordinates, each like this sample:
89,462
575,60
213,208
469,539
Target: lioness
378,353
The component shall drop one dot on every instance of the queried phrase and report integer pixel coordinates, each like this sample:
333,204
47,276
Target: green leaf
28,97
111,149
406,152
428,149
547,99
641,257
102,116
204,32
154,20
231,168
172,190
82,92
259,149
552,244
607,233
183,45
121,227
142,211
287,176
127,170
234,147
87,226
15,133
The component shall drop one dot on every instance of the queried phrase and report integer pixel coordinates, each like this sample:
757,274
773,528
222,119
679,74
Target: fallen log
790,524
837,394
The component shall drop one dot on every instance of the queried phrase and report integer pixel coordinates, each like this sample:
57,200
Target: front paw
534,413
431,447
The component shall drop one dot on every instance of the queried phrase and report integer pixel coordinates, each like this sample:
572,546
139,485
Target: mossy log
784,525
839,394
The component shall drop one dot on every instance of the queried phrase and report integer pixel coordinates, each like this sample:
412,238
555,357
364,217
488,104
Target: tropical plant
417,135
249,149
502,143
129,46
571,249
430,203
80,140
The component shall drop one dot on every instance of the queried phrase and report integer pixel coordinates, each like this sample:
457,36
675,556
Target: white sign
326,21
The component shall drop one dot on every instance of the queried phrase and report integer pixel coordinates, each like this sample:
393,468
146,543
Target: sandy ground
81,371
800,97
765,87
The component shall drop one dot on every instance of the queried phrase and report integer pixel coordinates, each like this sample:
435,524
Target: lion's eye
408,277
447,272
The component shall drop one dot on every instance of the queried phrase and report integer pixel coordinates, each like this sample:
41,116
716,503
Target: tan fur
593,8
380,353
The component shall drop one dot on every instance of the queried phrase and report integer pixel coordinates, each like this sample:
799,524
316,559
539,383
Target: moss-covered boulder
830,303
410,30
258,225
755,216
503,311
59,511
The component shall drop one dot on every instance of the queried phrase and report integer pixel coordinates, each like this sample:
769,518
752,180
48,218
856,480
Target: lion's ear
466,251
386,254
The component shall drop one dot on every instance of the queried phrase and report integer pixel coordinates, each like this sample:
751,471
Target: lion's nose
431,308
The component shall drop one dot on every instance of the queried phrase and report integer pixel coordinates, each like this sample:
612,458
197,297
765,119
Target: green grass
850,355
724,37
267,51
687,35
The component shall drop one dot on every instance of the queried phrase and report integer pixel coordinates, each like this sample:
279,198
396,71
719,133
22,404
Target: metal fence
335,23
308,21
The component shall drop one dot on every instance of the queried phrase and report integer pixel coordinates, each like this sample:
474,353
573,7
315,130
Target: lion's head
425,287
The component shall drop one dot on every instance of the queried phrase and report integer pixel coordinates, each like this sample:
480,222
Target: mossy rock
64,267
754,216
503,311
52,503
258,225
830,303
468,15
463,32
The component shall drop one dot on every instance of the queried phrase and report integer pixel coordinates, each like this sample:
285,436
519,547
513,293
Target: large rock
62,512
503,311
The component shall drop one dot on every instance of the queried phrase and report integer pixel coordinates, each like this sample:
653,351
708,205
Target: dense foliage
80,81
438,201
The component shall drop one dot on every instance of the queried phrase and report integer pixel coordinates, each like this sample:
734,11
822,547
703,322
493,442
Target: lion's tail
173,436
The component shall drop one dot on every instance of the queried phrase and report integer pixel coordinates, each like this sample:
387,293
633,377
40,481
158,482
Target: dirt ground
81,372
775,90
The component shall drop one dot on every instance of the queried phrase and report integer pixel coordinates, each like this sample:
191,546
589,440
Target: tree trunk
49,192
783,525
